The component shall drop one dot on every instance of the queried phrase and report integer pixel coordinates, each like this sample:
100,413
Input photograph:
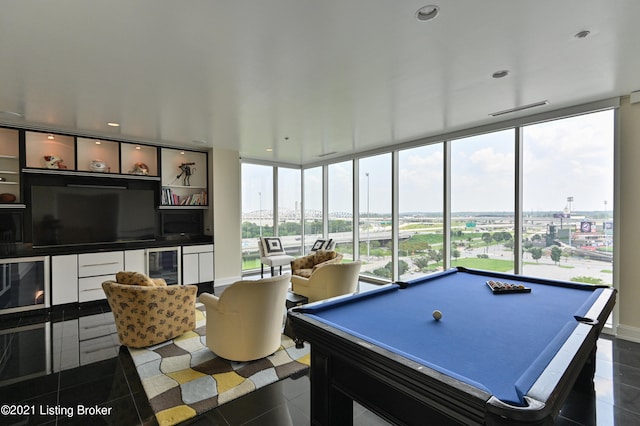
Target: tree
556,253
455,253
422,262
486,237
386,272
536,253
435,255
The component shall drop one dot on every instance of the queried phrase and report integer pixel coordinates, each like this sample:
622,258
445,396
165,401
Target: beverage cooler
24,284
165,263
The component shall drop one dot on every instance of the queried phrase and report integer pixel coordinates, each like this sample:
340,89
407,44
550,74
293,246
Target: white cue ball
437,315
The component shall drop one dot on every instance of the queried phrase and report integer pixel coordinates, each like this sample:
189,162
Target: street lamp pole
260,214
569,200
368,219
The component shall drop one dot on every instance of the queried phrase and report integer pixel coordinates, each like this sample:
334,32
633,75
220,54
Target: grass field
497,265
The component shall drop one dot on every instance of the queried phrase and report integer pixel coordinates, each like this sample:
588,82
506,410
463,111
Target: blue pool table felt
498,343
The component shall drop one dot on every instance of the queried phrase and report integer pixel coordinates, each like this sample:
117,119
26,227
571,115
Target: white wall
227,216
627,223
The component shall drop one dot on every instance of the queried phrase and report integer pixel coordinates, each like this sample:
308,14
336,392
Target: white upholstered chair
272,254
245,322
327,281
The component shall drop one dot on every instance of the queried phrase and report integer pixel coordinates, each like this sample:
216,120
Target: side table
294,300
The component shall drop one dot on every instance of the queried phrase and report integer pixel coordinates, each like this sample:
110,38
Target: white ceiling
304,77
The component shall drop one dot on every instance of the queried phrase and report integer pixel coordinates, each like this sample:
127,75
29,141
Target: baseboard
627,332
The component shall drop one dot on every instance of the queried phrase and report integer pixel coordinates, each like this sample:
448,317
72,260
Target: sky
564,158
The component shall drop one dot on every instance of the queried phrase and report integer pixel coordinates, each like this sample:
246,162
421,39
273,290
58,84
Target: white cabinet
190,272
134,260
79,277
90,288
197,264
92,264
64,279
94,269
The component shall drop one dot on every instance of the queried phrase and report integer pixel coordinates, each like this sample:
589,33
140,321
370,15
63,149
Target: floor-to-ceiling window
312,206
376,248
340,206
482,201
257,211
568,198
566,193
289,210
420,207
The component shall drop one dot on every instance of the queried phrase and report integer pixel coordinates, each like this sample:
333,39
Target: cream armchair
327,281
245,322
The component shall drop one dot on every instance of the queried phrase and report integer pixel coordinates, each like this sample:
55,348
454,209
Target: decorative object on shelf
53,162
98,166
140,169
185,173
7,198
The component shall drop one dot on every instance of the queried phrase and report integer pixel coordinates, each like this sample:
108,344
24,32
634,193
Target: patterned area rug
183,378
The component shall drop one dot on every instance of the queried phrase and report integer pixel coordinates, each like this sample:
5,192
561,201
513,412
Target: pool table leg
328,405
584,381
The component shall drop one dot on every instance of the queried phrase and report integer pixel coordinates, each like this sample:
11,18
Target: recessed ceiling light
500,74
113,124
582,34
427,13
269,149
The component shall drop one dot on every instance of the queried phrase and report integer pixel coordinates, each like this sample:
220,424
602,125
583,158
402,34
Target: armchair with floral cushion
304,266
147,311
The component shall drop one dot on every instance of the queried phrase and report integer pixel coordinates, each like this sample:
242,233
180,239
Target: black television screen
72,215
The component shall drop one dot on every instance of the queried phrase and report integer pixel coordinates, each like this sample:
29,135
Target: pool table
508,357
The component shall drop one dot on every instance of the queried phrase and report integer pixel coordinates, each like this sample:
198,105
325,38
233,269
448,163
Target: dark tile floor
71,357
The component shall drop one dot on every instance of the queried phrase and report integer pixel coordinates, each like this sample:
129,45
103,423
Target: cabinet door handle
99,264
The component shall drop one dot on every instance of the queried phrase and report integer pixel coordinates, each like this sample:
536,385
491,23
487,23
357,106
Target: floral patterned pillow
323,256
134,278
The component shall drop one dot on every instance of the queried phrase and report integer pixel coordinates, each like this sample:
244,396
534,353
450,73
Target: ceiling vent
520,108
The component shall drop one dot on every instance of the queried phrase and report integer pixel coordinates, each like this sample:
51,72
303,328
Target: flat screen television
88,214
